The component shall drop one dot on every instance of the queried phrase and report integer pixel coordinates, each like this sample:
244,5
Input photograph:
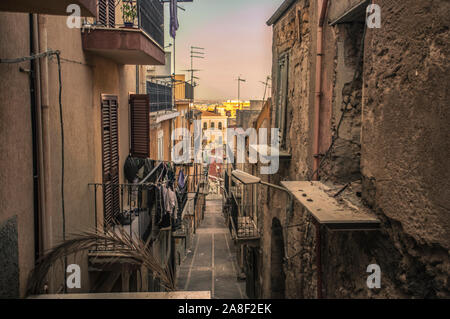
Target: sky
236,39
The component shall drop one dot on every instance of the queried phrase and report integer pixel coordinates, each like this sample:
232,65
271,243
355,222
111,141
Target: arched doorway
277,276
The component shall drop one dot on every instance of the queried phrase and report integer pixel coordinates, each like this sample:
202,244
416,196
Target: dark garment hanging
181,179
159,205
131,168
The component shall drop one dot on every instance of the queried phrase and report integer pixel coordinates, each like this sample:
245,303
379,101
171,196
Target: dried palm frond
135,250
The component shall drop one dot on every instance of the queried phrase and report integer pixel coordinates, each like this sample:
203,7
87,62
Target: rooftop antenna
196,53
239,79
266,86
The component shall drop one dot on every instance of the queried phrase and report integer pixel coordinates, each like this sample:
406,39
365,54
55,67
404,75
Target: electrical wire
335,137
31,57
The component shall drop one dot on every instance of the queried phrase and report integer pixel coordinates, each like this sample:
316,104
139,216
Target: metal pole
239,91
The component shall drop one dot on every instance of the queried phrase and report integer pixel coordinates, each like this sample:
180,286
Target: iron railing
147,15
160,96
133,216
151,19
238,211
138,207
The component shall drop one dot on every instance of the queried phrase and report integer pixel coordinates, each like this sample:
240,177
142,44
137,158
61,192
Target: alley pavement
211,263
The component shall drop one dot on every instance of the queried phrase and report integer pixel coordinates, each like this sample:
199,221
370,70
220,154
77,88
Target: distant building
214,125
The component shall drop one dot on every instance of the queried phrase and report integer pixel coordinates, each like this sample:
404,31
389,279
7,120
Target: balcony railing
160,96
133,209
239,211
241,225
146,15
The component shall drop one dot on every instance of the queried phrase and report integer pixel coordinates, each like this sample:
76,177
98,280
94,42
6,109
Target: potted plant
129,12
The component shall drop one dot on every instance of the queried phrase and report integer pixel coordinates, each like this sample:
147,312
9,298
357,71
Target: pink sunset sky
236,39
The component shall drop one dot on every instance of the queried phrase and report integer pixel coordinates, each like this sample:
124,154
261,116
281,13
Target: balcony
241,209
127,32
56,7
135,211
160,95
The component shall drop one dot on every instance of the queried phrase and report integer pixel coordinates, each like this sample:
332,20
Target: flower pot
128,24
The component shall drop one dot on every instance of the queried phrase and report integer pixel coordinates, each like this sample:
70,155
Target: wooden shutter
140,125
106,14
101,13
111,13
110,157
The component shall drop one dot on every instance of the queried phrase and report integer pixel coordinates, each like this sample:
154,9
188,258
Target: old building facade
71,120
350,103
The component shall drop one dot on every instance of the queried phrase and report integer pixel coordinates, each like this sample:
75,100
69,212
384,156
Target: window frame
282,96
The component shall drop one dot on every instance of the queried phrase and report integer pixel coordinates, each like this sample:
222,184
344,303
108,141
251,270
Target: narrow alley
211,265
221,149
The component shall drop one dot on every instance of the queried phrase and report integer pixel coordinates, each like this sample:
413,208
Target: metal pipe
45,131
318,260
322,6
32,85
291,198
37,88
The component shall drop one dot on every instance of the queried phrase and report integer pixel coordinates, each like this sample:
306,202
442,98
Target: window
110,157
106,14
281,102
220,125
205,125
140,122
213,125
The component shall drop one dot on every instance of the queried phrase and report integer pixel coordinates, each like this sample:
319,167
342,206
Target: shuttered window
140,125
106,14
110,157
111,13
101,14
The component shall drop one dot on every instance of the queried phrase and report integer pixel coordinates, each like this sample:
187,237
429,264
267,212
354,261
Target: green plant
129,11
135,250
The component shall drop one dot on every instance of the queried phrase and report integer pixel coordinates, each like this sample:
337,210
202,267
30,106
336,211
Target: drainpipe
44,129
35,135
322,6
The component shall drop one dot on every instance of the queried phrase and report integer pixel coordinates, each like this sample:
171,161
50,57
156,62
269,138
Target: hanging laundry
170,199
173,18
181,179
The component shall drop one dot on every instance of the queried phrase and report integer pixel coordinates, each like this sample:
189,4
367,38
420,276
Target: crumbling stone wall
394,137
293,34
343,77
405,140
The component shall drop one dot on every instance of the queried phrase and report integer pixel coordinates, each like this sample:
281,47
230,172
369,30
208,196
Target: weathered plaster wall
16,158
341,101
405,137
293,34
403,146
84,79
